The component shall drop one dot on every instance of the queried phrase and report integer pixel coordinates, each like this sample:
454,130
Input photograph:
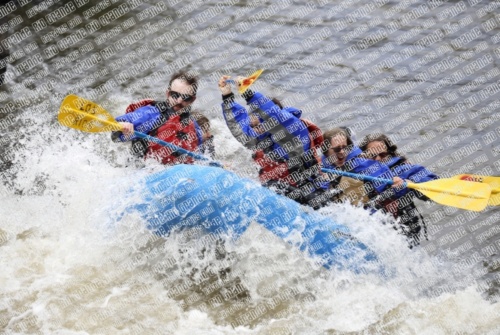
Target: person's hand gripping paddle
79,113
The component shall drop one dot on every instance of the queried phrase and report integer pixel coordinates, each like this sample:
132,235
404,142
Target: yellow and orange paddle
245,83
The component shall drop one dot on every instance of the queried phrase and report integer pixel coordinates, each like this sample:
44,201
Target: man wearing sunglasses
167,120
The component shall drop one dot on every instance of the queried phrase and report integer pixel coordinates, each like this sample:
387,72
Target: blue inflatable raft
213,202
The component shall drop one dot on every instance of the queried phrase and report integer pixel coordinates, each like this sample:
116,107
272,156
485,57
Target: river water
425,73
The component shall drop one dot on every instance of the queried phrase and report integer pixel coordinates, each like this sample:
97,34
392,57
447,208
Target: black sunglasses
382,155
339,149
186,97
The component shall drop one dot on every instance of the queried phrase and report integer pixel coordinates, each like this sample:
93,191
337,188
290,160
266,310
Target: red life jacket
274,170
271,169
316,138
177,129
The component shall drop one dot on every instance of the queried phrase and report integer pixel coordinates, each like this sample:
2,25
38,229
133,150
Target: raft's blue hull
215,201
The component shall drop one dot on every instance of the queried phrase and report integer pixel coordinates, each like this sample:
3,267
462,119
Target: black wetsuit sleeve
228,98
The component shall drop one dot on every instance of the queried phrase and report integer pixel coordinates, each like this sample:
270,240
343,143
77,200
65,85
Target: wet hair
329,134
392,148
201,119
187,77
349,132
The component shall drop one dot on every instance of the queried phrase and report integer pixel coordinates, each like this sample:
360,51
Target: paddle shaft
115,125
176,148
359,176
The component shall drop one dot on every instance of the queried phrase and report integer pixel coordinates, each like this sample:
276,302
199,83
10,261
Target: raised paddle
493,181
449,192
246,82
79,113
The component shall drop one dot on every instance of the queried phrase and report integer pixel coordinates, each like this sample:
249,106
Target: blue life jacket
285,137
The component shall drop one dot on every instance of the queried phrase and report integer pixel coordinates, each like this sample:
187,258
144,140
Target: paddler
282,143
399,202
167,120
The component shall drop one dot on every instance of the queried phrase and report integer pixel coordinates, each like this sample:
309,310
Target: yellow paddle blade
85,115
456,193
247,82
493,181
